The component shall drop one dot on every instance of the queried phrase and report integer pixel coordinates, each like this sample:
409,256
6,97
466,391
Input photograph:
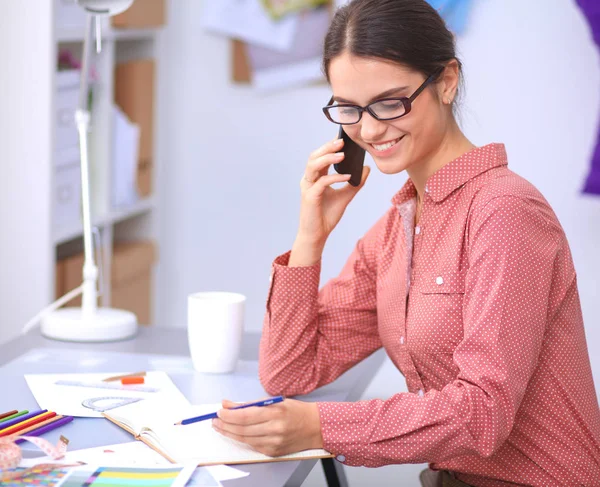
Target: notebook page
200,443
148,413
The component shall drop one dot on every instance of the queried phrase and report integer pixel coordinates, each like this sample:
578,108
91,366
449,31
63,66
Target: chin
388,166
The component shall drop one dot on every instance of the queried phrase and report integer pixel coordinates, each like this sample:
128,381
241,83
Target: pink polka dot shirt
477,307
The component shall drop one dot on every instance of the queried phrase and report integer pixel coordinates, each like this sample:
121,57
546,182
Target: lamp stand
88,323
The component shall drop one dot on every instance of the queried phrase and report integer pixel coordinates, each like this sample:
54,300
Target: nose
371,128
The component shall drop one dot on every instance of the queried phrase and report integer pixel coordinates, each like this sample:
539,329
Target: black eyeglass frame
406,101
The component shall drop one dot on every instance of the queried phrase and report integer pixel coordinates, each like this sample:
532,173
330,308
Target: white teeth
385,146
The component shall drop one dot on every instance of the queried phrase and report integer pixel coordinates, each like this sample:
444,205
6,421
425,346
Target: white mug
215,329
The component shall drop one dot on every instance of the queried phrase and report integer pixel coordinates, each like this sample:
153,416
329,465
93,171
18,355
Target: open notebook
153,423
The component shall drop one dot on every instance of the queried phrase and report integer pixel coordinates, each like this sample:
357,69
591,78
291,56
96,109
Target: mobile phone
354,159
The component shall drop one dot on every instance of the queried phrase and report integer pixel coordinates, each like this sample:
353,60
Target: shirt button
341,458
439,280
420,393
417,230
427,189
271,277
401,340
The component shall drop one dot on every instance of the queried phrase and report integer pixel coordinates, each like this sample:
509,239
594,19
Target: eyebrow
385,94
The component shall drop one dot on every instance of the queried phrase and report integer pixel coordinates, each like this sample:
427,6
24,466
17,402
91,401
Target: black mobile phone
354,159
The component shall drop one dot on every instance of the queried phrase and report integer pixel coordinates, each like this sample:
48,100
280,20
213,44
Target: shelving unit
26,213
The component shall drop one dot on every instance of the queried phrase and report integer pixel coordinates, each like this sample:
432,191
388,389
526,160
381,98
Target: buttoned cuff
344,431
292,285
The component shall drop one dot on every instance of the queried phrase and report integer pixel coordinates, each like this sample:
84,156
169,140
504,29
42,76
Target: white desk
35,354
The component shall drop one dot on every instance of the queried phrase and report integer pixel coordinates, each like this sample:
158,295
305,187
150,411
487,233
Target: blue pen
264,402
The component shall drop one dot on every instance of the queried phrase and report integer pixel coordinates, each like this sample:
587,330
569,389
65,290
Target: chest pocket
442,282
436,322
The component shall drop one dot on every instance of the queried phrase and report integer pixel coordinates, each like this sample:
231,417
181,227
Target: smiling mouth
387,145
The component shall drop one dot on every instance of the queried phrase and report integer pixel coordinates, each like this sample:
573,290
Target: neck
453,145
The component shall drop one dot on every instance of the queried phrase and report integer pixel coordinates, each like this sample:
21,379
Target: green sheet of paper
279,8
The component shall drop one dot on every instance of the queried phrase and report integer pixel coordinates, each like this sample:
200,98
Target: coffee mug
215,329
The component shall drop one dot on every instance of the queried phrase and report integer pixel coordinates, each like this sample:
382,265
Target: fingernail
339,141
339,154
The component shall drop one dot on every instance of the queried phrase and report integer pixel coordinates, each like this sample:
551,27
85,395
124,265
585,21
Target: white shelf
71,35
136,209
64,234
132,34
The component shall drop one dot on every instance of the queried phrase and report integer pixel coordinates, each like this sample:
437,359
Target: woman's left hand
279,429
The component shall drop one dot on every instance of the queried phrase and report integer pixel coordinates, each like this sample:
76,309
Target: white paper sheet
126,138
137,454
247,20
272,70
68,400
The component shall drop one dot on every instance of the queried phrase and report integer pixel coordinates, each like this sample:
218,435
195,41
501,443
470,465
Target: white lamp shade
105,7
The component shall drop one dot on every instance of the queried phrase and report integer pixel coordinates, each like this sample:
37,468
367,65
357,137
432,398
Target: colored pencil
27,416
204,417
39,425
119,377
8,418
9,413
47,426
26,424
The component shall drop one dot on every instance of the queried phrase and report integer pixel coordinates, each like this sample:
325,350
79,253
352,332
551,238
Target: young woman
467,281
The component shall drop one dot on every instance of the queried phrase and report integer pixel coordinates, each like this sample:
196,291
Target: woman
467,281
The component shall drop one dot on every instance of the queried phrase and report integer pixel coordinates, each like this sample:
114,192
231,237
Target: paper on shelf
125,149
247,20
273,70
68,400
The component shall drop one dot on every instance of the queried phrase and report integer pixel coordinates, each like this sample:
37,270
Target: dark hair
407,32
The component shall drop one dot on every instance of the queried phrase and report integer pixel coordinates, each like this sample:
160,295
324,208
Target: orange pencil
25,424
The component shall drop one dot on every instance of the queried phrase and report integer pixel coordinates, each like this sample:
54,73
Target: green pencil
16,415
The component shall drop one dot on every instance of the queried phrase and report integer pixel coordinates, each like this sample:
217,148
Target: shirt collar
456,173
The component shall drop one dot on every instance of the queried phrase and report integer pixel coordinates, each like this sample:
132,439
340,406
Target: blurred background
203,116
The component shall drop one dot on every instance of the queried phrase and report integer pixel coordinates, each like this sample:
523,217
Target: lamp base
105,325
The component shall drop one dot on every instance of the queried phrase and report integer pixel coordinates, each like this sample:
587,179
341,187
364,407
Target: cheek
353,131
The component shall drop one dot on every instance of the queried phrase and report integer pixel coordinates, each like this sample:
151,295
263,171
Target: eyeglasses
384,109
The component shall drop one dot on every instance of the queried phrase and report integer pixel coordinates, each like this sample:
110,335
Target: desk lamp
89,323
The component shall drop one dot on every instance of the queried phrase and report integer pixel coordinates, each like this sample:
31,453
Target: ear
448,83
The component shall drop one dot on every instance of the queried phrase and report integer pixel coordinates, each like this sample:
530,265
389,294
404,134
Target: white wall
233,158
26,84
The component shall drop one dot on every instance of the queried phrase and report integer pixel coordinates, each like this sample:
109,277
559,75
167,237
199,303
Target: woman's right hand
322,206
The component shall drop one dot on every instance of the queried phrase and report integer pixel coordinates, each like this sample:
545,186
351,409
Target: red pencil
25,424
9,413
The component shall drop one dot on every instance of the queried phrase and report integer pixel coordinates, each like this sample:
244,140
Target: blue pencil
264,402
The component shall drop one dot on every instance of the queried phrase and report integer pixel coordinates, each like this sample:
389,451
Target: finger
319,167
227,404
350,191
249,440
331,146
247,416
267,446
254,430
324,182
